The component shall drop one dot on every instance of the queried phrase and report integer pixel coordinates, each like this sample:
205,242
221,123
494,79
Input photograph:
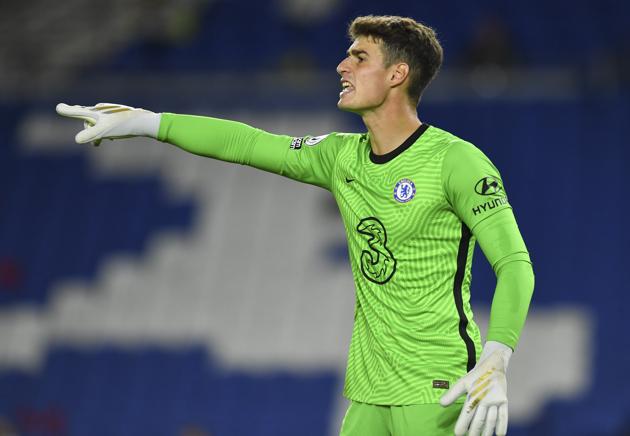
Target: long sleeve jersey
412,218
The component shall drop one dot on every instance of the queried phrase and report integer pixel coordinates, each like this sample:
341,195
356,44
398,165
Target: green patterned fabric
410,219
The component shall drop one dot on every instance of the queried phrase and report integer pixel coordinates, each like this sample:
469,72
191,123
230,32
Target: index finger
76,111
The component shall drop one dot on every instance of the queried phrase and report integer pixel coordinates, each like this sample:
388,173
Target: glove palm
486,404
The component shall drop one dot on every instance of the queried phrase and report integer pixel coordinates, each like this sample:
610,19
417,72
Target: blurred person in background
414,200
491,45
490,57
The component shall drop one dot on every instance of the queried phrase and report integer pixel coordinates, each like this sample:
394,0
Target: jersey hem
403,403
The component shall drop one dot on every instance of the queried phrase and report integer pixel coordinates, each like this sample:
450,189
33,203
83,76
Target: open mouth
346,88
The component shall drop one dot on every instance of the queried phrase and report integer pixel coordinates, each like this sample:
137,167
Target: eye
360,59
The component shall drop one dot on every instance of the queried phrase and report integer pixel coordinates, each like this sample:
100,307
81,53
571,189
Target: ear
398,73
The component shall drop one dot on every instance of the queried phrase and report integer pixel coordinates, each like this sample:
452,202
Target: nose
342,67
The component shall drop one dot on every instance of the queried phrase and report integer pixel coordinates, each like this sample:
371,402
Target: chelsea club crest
404,191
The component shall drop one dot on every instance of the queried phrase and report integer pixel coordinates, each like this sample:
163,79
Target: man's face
363,77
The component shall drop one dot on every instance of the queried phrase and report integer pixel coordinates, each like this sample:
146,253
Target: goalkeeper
414,200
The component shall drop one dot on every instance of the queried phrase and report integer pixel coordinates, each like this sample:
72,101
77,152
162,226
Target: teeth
346,87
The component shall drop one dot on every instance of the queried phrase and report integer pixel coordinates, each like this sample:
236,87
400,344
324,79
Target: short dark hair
404,40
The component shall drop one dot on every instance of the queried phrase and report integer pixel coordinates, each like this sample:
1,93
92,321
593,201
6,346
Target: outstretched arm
225,140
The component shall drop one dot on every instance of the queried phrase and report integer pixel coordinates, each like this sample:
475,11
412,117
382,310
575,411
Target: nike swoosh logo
349,180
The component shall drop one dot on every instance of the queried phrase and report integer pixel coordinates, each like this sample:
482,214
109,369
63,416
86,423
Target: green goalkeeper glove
486,403
111,121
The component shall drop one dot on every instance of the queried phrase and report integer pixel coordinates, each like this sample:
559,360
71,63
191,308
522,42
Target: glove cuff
491,346
146,123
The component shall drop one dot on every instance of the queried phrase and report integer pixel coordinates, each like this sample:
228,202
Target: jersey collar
384,158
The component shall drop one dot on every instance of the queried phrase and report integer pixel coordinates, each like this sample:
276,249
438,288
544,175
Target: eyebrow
357,52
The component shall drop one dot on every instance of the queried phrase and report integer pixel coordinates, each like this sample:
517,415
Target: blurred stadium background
144,291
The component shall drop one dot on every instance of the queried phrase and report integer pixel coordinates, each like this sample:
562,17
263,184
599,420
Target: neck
390,126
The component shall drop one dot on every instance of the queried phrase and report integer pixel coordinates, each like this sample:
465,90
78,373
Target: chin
348,107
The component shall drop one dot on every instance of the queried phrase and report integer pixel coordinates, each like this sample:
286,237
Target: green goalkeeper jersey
409,218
